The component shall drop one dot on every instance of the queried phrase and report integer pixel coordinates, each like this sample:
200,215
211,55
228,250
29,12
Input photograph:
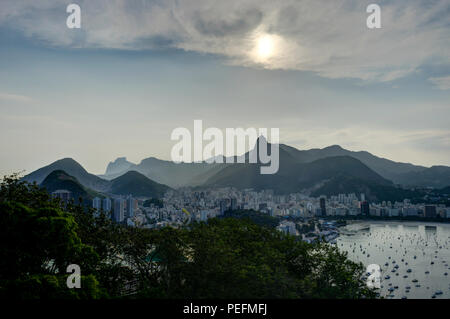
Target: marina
414,256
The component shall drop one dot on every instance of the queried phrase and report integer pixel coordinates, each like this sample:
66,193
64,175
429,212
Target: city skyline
136,70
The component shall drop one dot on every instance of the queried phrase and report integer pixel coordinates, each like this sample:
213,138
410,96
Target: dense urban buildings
185,205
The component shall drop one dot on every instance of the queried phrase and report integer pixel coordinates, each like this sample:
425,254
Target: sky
136,70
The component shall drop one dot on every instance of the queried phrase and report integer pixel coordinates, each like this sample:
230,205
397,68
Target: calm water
420,247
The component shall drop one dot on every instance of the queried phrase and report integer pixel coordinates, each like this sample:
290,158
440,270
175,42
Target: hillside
384,167
59,179
72,168
293,175
374,192
138,185
435,176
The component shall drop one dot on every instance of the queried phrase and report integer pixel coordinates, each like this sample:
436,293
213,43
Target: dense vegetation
225,258
374,192
258,218
61,180
136,184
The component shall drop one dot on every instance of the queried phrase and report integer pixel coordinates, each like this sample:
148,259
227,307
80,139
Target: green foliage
37,242
59,179
374,191
136,184
256,217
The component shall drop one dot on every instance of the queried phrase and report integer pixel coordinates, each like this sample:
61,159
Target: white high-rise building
106,204
119,210
97,203
130,207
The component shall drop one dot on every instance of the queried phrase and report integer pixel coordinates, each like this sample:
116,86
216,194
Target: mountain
299,170
190,174
384,167
68,174
294,175
72,168
444,191
137,185
119,166
435,176
373,191
59,179
164,172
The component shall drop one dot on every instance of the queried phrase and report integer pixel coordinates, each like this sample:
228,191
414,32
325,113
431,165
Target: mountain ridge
202,174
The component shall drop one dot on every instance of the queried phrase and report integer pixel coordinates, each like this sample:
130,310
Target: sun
265,47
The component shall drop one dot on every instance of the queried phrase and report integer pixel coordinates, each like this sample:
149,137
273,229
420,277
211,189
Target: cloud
442,83
14,97
329,38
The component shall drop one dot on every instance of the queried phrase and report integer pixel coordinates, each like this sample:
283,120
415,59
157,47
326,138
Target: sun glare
265,47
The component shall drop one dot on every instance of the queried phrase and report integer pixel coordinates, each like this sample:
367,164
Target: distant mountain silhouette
67,173
386,168
316,169
167,172
137,185
294,176
72,168
188,174
118,166
59,179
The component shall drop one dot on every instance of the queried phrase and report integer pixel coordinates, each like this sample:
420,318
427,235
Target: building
106,205
430,211
97,203
223,206
323,206
365,209
130,207
63,194
287,227
203,215
233,203
119,210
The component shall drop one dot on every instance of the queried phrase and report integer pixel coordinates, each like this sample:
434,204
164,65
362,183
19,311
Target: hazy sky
138,69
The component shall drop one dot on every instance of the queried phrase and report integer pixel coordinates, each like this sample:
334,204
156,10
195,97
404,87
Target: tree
37,242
